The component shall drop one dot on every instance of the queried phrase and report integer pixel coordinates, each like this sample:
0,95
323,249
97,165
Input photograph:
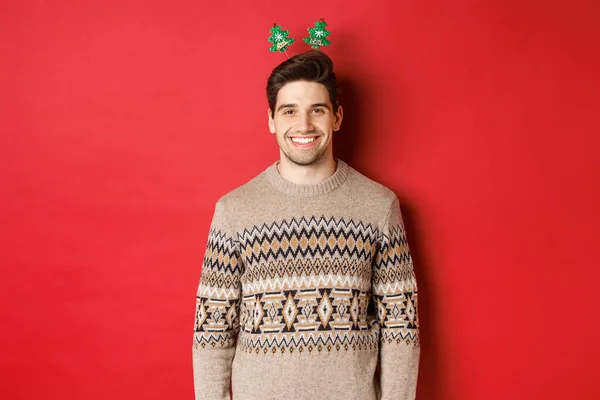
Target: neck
290,188
306,174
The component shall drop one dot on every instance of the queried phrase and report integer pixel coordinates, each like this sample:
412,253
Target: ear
271,121
339,115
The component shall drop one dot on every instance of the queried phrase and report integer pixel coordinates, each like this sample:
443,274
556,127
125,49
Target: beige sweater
303,290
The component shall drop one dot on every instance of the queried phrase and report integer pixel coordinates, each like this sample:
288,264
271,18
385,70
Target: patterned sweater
304,289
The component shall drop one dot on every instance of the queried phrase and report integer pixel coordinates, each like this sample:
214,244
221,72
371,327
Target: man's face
304,122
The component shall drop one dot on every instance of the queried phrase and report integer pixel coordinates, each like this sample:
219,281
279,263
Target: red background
123,122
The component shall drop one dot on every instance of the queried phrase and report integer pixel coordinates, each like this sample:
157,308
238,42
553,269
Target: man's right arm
217,311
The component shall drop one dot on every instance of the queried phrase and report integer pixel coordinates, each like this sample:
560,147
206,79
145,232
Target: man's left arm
394,288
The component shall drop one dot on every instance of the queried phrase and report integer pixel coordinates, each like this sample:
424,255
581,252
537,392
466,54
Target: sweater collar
311,189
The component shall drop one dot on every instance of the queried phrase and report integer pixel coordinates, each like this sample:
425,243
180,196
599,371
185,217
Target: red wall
123,122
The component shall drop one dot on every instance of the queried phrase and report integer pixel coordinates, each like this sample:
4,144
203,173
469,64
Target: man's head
303,107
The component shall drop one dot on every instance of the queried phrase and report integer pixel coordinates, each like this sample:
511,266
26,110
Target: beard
303,157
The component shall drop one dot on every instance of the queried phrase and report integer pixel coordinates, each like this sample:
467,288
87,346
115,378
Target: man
307,280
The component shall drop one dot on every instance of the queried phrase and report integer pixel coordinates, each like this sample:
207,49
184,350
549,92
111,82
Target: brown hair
311,66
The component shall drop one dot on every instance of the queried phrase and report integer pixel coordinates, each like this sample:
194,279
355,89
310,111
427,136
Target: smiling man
304,120
307,289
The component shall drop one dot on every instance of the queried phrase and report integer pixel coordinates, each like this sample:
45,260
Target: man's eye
319,110
288,112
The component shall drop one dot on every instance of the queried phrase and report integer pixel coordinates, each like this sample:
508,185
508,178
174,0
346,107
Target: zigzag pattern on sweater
393,265
307,342
220,267
312,238
307,282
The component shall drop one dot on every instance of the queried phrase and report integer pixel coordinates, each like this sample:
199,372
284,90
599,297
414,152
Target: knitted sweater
304,289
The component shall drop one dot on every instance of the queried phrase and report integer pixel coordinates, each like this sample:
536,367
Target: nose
304,123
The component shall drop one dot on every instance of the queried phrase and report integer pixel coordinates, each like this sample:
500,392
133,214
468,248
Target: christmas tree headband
317,37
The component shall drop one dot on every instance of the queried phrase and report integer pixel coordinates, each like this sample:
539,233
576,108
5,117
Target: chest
322,250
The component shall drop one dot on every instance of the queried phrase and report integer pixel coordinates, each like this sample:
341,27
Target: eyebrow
291,105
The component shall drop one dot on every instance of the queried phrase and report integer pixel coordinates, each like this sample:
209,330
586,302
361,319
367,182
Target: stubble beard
308,157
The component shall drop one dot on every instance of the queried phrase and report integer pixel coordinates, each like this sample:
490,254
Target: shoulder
369,188
373,195
236,197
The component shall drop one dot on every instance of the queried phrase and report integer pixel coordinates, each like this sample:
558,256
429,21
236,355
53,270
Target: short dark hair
311,66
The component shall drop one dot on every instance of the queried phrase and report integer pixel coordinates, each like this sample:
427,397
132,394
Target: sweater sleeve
216,322
395,296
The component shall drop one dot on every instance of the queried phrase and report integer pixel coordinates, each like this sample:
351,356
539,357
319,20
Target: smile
303,140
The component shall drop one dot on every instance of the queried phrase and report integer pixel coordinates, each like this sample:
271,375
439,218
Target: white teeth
303,140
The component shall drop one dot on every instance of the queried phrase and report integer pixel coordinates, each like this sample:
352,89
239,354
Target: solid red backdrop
123,122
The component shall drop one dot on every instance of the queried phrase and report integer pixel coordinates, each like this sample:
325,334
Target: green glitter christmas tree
318,35
279,39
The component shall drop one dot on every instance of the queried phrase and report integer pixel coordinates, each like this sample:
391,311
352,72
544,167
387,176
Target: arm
395,295
217,311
